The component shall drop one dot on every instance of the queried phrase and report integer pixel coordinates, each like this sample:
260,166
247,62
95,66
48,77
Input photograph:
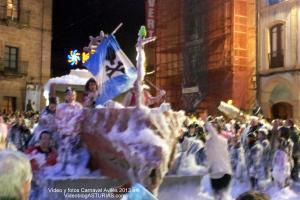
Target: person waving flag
112,69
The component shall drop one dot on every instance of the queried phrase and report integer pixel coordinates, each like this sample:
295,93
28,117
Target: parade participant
237,159
70,98
287,143
46,122
218,160
193,131
67,110
252,127
273,136
47,116
254,164
67,117
19,135
91,93
262,139
190,152
3,133
284,157
295,137
184,130
15,175
51,108
43,154
147,99
281,164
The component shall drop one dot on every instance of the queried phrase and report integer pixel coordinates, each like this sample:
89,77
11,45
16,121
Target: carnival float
134,144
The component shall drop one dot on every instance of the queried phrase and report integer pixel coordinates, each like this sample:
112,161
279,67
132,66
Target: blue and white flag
112,69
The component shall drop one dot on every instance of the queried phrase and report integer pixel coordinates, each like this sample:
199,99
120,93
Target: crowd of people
42,137
251,150
36,134
232,149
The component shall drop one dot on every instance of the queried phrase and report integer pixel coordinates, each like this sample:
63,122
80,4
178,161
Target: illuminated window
11,58
12,9
276,56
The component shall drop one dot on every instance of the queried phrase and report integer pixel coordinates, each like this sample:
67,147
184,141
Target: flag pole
117,28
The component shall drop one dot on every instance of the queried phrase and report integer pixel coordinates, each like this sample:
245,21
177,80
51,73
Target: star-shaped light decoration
74,57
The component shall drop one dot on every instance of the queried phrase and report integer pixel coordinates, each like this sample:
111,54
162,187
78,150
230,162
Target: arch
281,92
268,88
282,110
274,22
271,83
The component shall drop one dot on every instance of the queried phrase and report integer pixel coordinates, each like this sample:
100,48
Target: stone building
25,52
279,58
205,52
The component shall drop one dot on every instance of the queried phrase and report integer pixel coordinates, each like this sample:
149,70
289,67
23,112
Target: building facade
205,52
25,52
279,58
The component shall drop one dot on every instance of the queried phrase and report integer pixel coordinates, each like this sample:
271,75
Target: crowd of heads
260,144
33,134
27,119
270,135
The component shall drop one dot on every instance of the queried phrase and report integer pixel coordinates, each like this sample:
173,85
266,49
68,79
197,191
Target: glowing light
85,57
10,4
193,119
74,57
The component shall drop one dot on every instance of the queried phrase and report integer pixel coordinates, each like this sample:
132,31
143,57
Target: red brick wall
244,55
168,68
230,51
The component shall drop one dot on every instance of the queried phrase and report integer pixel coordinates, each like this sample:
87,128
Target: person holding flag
116,74
90,94
112,69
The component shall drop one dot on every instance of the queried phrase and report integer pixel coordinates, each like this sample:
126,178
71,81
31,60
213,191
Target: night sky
74,21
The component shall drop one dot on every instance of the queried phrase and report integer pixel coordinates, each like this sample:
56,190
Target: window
12,9
276,56
9,104
11,58
193,20
272,2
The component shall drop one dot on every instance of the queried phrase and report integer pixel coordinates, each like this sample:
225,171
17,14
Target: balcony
19,18
276,59
20,70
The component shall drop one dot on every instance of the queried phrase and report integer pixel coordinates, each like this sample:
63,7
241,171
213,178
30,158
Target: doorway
282,110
